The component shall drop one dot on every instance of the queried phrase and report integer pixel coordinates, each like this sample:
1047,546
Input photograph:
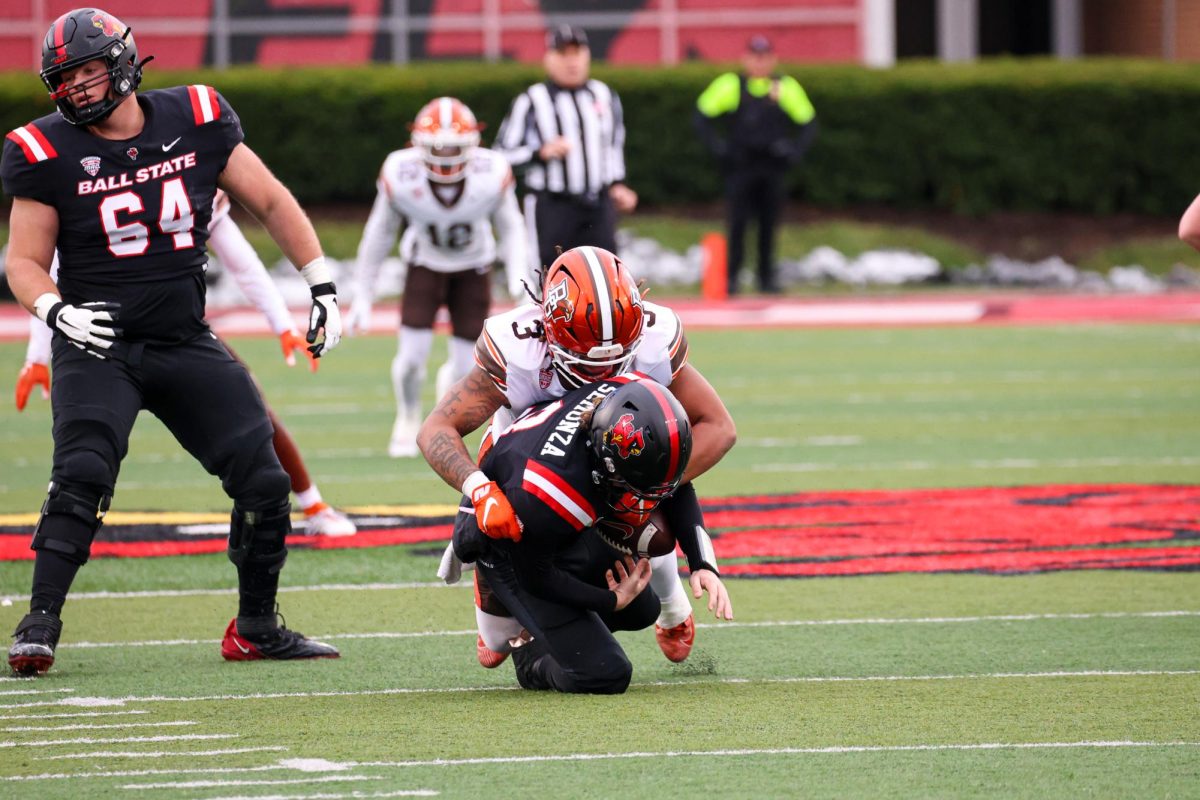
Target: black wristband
322,289
52,314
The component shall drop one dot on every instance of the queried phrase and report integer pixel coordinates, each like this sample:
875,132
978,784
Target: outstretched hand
627,579
704,580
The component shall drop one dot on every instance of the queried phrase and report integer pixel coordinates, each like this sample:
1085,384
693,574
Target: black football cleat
278,644
35,638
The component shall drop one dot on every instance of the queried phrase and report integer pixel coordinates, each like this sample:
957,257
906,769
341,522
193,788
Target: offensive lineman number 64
133,238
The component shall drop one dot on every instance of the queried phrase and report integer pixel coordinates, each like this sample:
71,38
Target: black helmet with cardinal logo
641,439
80,36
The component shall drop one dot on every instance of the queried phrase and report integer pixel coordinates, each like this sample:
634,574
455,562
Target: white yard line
687,682
160,753
454,762
332,796
1086,673
7,692
217,784
88,727
1003,463
7,717
325,587
183,737
581,757
707,625
144,773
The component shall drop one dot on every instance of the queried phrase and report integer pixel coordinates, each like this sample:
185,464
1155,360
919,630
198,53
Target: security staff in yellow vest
757,124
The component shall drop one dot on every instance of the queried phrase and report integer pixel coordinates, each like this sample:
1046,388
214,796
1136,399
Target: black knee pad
259,538
70,518
254,478
85,466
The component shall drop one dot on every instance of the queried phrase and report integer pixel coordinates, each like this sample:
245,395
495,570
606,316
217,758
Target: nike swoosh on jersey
167,147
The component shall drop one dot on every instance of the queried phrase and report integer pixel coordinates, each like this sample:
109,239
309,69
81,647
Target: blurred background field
960,130
815,408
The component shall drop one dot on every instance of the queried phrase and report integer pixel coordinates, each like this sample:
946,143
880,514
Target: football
647,541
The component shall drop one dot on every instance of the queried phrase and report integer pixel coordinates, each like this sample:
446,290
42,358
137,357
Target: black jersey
133,214
543,465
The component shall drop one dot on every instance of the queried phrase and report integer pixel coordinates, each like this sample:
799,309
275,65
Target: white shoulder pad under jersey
512,351
448,228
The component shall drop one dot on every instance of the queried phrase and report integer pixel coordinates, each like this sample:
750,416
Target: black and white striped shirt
591,119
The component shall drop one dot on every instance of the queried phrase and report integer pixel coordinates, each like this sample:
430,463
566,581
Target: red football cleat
489,659
676,642
280,644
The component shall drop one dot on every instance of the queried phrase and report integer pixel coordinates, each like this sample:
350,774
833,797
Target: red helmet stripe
59,26
673,441
601,291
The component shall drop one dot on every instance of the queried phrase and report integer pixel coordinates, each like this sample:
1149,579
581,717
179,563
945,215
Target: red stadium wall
180,33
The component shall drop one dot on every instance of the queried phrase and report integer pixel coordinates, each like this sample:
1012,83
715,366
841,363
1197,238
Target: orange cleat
488,658
676,642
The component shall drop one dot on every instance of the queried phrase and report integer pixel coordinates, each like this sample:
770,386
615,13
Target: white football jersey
512,351
447,228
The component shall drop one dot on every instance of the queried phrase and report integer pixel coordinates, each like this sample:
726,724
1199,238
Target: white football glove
324,321
88,326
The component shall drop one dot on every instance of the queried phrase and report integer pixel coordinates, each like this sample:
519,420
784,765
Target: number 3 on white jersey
132,239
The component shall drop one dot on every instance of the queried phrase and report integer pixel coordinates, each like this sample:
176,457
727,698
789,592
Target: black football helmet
641,439
84,35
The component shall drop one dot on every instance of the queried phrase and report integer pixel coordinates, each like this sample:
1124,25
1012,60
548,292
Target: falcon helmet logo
91,164
627,439
132,153
558,305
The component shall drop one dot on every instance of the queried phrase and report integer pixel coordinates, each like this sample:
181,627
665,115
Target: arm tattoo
461,410
448,456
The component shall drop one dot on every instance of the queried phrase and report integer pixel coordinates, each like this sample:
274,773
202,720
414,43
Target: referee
568,133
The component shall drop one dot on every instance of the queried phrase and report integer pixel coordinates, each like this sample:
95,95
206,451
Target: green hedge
1094,136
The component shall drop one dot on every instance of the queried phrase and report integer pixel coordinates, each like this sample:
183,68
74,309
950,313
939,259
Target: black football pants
201,394
573,649
754,191
567,222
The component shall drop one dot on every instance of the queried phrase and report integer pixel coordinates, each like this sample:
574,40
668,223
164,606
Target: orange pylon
714,277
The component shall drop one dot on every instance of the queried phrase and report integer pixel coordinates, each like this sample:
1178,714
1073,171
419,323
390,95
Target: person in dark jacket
757,124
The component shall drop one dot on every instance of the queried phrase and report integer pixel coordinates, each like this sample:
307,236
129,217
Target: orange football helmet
447,131
592,315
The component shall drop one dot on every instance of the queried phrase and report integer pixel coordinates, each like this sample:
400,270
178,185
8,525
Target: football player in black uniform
609,448
122,184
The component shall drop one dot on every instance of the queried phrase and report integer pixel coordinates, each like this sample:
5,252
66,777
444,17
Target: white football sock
664,580
309,497
496,631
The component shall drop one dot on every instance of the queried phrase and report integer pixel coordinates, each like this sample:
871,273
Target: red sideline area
797,312
823,534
